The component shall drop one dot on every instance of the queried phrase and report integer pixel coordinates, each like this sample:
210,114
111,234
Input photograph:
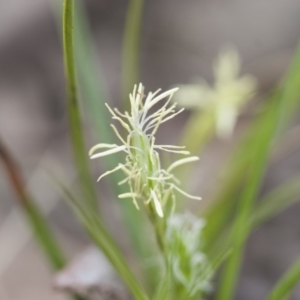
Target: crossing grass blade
268,207
276,201
286,284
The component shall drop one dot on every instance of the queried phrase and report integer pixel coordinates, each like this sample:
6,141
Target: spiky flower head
225,99
147,180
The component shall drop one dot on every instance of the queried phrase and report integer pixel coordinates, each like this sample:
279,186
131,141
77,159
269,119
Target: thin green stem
198,130
104,242
240,231
196,134
76,132
131,48
286,284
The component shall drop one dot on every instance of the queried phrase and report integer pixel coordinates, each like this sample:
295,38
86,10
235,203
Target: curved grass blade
257,162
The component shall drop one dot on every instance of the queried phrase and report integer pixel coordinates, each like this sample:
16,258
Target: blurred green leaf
91,81
257,156
131,48
276,201
38,223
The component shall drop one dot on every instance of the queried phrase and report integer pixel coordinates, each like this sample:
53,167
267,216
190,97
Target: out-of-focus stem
43,232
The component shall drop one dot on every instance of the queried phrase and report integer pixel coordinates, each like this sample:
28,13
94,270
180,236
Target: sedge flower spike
147,181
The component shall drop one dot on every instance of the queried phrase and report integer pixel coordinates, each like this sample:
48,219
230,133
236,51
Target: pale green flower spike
226,98
146,179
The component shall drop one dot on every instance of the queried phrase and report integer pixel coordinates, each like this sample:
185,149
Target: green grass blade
76,132
291,90
38,223
131,48
286,284
257,162
91,81
104,242
276,201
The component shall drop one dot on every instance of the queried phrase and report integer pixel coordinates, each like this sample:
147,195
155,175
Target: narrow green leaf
286,284
76,132
104,242
131,48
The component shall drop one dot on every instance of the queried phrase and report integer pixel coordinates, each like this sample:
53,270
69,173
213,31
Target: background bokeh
180,40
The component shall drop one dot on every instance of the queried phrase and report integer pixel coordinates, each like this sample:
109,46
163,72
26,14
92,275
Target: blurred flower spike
147,181
190,266
225,99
